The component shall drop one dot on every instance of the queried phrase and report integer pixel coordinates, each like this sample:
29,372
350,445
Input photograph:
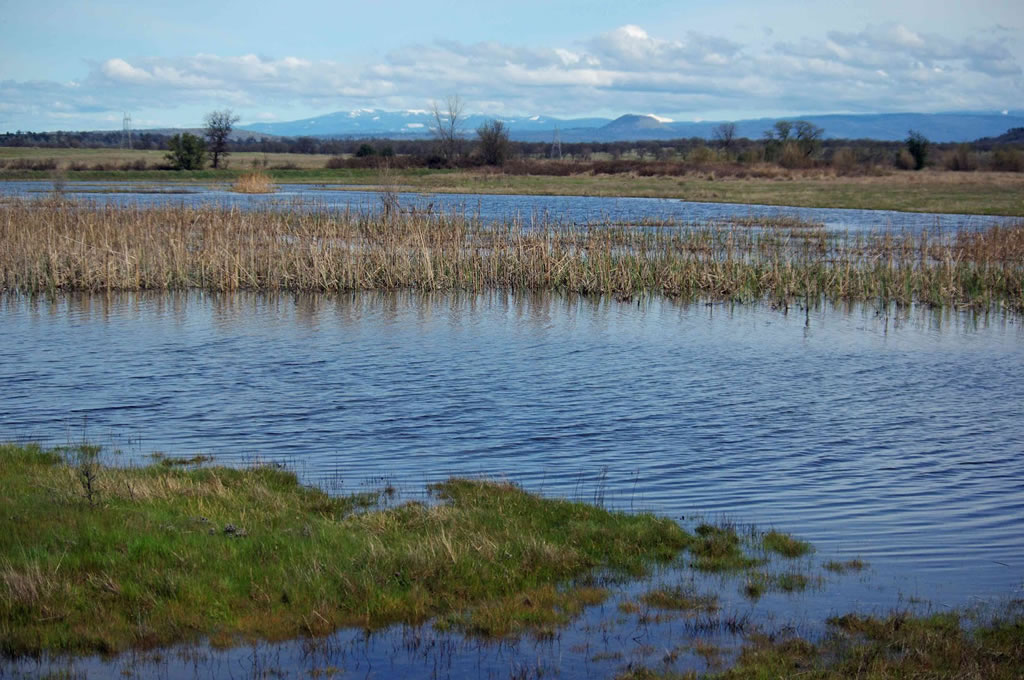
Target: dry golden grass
56,245
255,182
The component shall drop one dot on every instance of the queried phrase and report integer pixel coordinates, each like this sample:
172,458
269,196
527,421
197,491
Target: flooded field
889,437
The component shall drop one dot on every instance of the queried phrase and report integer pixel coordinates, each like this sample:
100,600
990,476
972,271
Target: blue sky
79,65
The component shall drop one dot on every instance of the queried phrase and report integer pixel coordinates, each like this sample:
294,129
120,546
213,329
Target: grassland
980,193
101,559
97,558
55,245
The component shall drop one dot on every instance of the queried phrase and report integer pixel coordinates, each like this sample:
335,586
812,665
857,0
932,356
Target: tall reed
57,245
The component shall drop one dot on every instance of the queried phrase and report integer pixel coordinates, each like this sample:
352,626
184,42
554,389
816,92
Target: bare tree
493,142
218,128
725,134
447,128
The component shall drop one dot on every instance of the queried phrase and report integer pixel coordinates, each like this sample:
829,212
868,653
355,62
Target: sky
83,64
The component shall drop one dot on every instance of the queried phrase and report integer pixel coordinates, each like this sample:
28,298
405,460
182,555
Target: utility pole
556,144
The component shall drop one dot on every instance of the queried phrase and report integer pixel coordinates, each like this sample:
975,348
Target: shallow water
567,209
895,437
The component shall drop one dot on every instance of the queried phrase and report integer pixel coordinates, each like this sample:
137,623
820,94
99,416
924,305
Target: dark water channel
893,437
564,209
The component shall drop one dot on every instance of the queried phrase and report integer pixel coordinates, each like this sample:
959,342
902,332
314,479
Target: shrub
701,155
905,160
1008,160
844,160
961,159
186,152
917,146
793,156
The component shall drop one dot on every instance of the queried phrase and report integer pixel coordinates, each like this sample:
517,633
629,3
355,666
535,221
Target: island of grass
102,559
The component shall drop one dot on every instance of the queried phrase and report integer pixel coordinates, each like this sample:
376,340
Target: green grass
784,544
101,559
719,549
682,597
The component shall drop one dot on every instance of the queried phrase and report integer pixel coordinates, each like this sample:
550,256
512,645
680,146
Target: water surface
564,209
894,437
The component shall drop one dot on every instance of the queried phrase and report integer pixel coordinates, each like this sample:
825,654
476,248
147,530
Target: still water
564,209
895,437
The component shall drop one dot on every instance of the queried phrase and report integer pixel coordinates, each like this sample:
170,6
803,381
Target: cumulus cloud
630,68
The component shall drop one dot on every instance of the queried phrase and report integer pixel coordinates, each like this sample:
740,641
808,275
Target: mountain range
938,127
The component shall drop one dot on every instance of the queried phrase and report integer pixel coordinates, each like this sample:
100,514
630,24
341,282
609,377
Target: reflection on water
895,437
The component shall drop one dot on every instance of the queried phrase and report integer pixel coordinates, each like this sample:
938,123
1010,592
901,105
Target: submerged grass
53,245
100,559
870,647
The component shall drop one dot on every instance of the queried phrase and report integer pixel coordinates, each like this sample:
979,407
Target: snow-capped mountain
938,127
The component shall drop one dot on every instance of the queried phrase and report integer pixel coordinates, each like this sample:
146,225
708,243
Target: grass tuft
255,182
784,544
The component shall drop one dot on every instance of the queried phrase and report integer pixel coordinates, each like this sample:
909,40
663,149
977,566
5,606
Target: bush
701,155
793,157
905,160
186,152
844,160
961,159
917,146
1008,160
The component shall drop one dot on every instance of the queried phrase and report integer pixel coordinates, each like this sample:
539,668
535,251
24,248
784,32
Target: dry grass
255,182
55,245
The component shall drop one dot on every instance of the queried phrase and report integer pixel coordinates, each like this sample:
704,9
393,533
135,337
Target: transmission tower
126,132
556,144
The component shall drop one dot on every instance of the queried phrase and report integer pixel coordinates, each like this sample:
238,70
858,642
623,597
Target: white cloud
121,70
631,68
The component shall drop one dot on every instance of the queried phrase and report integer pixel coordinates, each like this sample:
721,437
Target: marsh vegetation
55,245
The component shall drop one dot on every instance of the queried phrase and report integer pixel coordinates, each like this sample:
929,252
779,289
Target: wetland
620,441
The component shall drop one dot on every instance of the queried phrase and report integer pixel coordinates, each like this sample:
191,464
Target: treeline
792,147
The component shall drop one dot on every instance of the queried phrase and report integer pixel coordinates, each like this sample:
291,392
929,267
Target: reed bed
53,245
255,182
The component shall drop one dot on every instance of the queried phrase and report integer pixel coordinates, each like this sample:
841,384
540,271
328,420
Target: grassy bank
99,558
56,245
940,191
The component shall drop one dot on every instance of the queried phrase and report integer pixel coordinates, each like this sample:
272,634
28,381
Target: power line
126,132
556,144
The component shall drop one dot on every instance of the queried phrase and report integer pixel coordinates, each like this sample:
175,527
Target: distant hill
938,127
410,123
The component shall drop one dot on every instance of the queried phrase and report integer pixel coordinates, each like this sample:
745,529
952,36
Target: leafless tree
447,128
218,128
493,142
725,134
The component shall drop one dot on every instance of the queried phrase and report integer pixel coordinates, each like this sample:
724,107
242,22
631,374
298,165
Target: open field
64,159
980,193
926,191
56,245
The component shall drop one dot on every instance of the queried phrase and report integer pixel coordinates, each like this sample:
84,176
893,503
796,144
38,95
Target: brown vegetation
56,245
